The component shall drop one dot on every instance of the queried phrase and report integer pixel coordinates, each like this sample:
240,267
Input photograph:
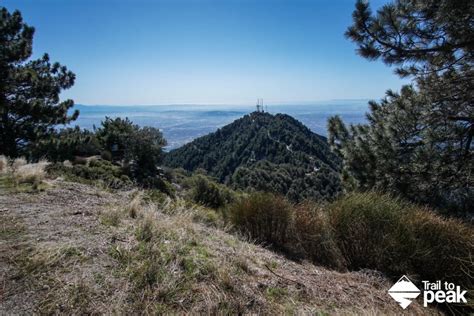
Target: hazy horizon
289,103
181,124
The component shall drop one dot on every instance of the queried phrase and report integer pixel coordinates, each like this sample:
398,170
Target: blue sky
148,52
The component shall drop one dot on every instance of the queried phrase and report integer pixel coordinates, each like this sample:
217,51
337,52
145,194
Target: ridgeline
265,152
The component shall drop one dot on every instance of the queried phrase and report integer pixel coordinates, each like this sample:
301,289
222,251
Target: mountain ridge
265,152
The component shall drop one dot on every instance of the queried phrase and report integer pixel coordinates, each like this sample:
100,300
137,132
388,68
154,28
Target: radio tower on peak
260,106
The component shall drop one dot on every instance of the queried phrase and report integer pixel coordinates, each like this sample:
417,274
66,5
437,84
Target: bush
17,163
379,232
370,231
315,237
209,193
265,217
65,144
79,160
106,155
102,171
444,248
363,231
158,183
32,173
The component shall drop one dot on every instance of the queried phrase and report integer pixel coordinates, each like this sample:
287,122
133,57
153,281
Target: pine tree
30,107
417,143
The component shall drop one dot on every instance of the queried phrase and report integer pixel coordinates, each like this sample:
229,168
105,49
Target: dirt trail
54,258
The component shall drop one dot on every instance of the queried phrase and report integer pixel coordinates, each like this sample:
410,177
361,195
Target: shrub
3,164
79,160
102,171
315,237
158,183
106,155
32,173
444,248
209,193
18,162
379,232
370,231
263,216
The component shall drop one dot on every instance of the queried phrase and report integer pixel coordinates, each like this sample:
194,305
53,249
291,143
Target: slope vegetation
265,152
75,249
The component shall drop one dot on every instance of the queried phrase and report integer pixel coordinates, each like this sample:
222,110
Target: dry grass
265,217
176,265
30,173
164,261
133,208
19,175
363,231
17,163
316,237
4,168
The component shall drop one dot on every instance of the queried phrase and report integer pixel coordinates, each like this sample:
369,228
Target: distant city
181,124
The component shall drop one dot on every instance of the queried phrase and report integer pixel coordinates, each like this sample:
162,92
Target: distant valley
183,123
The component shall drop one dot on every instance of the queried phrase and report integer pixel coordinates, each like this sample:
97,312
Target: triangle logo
404,291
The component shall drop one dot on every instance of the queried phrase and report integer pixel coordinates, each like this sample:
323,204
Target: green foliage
110,175
266,152
114,136
297,182
138,148
208,193
419,36
371,232
265,217
67,144
144,151
30,107
417,143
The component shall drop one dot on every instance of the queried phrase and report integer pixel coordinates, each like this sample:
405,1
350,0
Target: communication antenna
260,106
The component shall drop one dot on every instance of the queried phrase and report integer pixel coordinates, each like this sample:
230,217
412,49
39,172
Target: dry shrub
110,217
444,248
133,208
370,231
3,164
265,217
145,228
377,231
315,236
17,163
29,173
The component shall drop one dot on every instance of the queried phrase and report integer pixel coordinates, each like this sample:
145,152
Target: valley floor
75,249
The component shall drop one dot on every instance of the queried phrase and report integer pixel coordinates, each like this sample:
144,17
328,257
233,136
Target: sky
146,52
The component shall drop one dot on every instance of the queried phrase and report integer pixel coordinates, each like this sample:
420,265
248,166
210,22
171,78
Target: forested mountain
265,152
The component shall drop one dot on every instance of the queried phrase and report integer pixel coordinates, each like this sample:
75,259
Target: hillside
75,249
265,152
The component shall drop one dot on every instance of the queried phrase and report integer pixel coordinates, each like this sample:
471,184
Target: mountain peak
265,152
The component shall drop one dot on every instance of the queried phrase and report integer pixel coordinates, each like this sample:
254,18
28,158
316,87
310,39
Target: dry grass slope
75,249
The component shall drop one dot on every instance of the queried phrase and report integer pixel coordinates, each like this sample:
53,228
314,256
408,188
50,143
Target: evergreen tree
29,90
141,149
417,143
